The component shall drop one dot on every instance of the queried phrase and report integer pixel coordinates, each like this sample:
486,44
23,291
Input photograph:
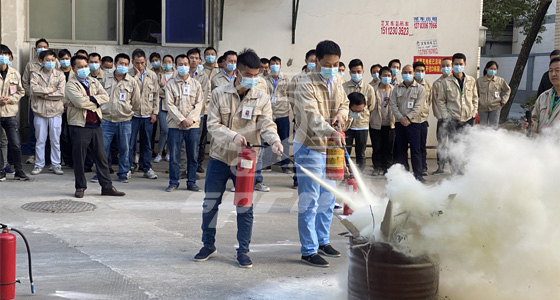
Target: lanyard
553,103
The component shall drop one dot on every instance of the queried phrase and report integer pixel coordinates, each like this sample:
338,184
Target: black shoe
315,260
88,170
193,187
328,250
421,179
244,261
438,171
205,253
294,187
20,175
425,173
199,170
2,175
111,171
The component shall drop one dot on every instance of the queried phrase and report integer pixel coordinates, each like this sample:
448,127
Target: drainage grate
59,206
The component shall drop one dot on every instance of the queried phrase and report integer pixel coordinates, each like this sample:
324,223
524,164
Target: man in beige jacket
419,74
546,113
382,124
441,133
84,96
47,91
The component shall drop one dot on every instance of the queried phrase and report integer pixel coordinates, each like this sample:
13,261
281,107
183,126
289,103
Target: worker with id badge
407,103
546,112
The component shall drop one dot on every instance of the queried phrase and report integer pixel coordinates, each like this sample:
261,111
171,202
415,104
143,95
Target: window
185,22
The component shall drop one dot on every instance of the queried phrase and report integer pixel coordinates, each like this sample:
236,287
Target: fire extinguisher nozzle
32,288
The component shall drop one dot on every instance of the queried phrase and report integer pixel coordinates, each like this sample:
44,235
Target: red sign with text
433,63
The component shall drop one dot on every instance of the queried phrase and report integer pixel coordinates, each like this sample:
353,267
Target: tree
529,16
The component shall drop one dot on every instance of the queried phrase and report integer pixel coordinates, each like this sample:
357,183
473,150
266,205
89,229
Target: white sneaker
232,190
128,175
150,174
36,170
261,187
30,160
58,170
167,157
157,159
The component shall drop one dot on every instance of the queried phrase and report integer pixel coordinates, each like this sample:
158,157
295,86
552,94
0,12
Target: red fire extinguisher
352,187
245,178
335,160
8,263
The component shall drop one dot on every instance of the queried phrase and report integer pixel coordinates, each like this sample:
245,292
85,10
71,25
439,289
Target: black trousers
441,135
423,141
65,142
383,143
359,137
405,136
84,138
454,129
202,138
10,125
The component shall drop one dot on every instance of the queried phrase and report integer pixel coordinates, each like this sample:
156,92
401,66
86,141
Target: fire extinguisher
352,187
335,160
245,177
8,263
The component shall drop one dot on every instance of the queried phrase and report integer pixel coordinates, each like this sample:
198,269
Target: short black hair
276,58
554,53
248,58
181,56
106,59
82,51
327,47
309,53
155,55
41,40
138,53
265,61
341,64
556,59
75,58
193,51
64,52
356,98
94,54
167,55
488,65
304,67
122,55
396,60
46,53
221,59
447,58
375,66
459,56
355,62
228,53
383,69
210,48
5,50
418,64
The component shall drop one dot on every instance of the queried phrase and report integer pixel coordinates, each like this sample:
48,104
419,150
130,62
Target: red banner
433,63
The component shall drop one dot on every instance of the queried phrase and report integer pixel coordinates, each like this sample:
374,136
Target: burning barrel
376,271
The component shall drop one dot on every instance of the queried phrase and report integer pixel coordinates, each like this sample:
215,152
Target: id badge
273,100
410,104
13,89
186,90
247,113
151,97
497,94
122,96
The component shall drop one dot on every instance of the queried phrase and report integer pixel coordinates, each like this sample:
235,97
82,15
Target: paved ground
141,246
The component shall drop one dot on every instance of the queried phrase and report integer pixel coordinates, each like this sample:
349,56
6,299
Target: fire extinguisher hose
28,257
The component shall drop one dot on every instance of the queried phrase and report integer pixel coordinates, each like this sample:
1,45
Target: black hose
29,259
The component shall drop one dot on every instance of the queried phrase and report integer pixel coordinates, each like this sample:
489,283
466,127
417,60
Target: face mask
375,76
407,77
354,115
122,70
341,74
183,70
231,67
274,69
108,70
395,72
156,64
310,66
249,83
458,69
49,65
419,76
39,50
446,70
4,60
167,67
386,80
9,63
356,77
83,73
65,63
492,72
329,73
210,59
200,68
94,67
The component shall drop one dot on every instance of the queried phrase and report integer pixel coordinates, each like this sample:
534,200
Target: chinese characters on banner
433,63
429,47
394,27
425,22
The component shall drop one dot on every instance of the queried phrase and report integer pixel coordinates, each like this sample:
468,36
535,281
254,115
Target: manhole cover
59,206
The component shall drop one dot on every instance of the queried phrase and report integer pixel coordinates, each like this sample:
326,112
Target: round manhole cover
59,206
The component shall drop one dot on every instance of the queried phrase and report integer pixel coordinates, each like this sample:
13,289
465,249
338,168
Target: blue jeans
10,125
219,173
175,139
145,128
162,120
123,132
315,204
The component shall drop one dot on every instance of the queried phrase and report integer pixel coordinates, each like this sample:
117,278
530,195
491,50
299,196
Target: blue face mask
231,67
210,59
419,76
122,70
167,67
183,70
249,83
492,72
310,66
354,115
386,80
375,76
83,73
328,73
39,50
407,77
94,67
49,65
395,72
274,69
356,77
65,63
200,68
458,69
4,60
9,63
156,64
446,70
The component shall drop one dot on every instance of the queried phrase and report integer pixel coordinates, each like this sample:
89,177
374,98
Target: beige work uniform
44,102
123,95
428,90
162,79
12,89
376,115
540,114
435,93
184,101
492,93
221,79
408,101
367,90
279,95
149,94
210,72
206,92
79,102
461,105
32,66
